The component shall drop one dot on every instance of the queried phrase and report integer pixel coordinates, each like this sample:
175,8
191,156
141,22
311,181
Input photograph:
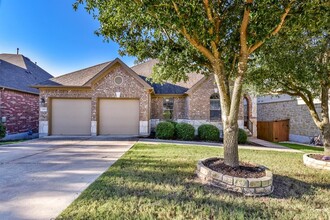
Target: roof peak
86,68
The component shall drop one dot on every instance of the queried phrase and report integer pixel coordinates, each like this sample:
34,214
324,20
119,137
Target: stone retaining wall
247,186
317,164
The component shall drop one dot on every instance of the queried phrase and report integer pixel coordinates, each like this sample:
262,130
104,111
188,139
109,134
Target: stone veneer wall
302,126
105,88
21,111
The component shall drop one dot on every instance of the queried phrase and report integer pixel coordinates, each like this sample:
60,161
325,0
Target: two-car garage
74,116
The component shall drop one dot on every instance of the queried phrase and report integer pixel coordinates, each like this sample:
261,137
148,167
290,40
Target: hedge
185,131
165,130
208,132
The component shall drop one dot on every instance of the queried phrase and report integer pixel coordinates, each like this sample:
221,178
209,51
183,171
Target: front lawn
304,148
158,182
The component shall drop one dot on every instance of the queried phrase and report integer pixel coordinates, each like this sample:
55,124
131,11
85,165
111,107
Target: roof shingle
77,78
19,73
145,71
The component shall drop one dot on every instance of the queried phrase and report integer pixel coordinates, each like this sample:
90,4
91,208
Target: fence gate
274,131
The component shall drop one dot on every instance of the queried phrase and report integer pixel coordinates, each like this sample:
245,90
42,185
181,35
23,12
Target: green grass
10,142
158,182
304,148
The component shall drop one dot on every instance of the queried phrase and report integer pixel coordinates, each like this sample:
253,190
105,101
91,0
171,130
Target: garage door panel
118,117
71,117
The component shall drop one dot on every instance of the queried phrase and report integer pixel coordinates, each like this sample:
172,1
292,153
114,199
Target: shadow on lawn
148,170
152,181
287,187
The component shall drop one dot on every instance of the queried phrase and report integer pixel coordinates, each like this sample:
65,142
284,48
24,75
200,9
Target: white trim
144,128
93,128
43,128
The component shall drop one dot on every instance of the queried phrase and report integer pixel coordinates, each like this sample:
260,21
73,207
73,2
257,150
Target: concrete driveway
40,178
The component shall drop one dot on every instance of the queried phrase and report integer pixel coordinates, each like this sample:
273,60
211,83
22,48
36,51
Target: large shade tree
211,37
299,66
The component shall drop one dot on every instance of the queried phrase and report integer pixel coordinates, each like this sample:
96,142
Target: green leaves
161,28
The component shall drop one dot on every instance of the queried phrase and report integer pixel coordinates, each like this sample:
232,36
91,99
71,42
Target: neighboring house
19,103
282,107
113,99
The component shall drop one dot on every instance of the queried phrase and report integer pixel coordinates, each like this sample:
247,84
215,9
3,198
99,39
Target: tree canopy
297,63
210,37
185,35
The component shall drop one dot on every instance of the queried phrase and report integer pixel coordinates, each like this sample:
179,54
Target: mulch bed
318,157
244,170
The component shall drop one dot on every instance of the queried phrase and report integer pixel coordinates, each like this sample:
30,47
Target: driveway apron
40,178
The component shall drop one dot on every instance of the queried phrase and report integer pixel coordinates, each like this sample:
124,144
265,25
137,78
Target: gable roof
18,72
145,71
85,77
76,78
141,72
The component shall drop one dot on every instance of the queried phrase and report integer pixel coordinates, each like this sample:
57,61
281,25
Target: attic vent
27,71
118,80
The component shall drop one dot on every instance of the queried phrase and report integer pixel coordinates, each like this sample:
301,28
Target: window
168,104
215,109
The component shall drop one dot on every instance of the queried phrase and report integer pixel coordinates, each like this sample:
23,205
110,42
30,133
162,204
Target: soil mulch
244,170
318,157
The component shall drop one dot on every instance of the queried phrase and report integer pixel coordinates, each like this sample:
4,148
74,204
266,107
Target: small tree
204,36
299,66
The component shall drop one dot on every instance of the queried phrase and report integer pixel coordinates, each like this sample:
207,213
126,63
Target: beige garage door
119,117
71,117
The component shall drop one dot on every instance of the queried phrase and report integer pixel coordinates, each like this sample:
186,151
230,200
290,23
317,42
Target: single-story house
283,107
114,99
19,103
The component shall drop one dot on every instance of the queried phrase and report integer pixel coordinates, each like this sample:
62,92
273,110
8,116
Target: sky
53,34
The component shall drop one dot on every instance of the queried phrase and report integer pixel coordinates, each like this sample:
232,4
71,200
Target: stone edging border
317,164
247,186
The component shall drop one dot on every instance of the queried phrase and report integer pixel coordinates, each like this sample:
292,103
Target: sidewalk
260,144
268,144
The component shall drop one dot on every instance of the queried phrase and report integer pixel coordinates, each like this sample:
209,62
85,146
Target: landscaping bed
317,161
246,170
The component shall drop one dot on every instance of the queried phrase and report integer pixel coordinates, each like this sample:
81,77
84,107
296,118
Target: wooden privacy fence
274,131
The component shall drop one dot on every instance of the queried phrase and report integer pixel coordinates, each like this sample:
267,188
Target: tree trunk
229,124
230,143
326,139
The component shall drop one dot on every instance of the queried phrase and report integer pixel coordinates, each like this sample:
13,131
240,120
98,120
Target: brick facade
302,126
179,108
195,107
21,111
199,101
130,88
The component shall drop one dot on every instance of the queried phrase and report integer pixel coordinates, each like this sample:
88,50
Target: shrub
2,131
185,131
167,115
174,123
242,136
208,132
165,130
